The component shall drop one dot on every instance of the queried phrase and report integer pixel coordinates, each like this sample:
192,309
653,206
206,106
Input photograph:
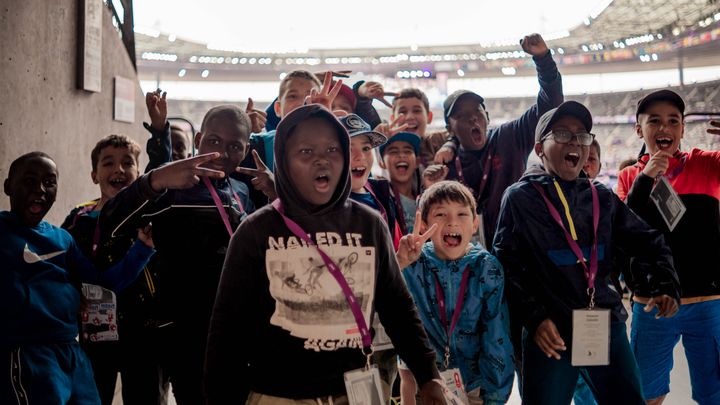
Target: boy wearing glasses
556,237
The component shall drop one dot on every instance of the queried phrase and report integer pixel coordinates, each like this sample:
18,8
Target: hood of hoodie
293,202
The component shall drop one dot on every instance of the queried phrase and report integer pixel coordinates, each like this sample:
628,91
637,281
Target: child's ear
381,162
198,137
429,117
93,176
476,223
638,130
6,187
538,149
276,107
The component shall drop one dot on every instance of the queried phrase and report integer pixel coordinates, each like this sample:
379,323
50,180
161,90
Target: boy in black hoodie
556,237
282,328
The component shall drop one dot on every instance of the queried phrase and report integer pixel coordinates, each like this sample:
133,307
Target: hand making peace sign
411,244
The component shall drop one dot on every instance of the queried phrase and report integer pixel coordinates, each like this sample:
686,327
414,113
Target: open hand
398,125
184,173
374,90
327,94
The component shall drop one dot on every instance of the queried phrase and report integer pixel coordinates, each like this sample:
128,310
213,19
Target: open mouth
452,239
572,159
402,167
322,182
358,171
663,143
118,183
36,206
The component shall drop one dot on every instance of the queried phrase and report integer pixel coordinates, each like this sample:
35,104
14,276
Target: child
593,165
557,266
413,105
192,229
115,166
478,344
490,160
282,328
400,158
40,292
695,176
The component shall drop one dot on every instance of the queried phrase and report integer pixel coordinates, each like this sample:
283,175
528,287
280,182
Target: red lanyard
485,174
591,272
456,312
368,187
334,271
218,203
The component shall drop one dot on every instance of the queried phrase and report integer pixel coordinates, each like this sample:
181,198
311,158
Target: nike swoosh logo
32,257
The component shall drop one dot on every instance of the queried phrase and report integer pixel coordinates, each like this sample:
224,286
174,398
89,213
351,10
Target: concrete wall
41,107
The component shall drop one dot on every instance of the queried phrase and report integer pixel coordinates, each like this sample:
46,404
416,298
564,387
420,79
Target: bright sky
319,24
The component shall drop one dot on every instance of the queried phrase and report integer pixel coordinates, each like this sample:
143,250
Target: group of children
274,268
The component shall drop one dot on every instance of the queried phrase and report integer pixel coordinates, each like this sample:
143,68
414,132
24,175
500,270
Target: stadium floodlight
461,72
182,73
172,37
509,71
205,73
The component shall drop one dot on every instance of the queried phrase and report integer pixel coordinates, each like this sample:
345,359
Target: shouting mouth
358,171
572,159
452,239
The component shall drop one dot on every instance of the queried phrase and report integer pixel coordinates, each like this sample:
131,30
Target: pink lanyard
218,203
334,271
368,187
485,173
456,312
591,272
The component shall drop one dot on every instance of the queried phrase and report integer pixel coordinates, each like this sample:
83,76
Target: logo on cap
354,122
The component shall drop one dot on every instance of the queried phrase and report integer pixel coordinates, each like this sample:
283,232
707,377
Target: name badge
364,387
668,202
99,319
591,337
454,387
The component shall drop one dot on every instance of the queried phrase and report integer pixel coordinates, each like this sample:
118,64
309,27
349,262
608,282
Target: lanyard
218,203
591,272
368,187
456,312
336,273
485,173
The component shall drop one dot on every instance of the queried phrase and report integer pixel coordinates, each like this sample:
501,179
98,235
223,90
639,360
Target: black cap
450,101
409,137
660,95
356,126
572,108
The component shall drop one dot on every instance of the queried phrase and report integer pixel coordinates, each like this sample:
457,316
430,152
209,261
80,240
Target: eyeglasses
560,136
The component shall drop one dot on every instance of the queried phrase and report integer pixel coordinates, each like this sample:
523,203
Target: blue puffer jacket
479,346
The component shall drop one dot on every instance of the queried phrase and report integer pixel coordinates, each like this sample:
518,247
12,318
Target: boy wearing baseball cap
694,241
556,237
399,156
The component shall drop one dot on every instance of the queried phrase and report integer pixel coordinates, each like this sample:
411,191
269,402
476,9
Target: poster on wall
90,45
124,100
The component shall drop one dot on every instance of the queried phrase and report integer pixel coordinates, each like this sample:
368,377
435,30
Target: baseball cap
660,95
409,137
572,108
450,101
356,126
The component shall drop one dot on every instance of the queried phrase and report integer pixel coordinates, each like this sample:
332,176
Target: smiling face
116,169
564,160
227,136
661,127
315,160
593,165
469,123
400,161
416,117
456,225
32,189
361,161
293,95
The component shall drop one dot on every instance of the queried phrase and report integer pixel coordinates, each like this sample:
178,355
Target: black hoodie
543,278
281,325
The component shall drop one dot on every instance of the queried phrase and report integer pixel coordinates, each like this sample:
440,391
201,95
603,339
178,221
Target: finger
200,159
400,128
258,161
308,99
389,105
418,218
248,171
399,120
260,113
250,105
327,82
211,173
429,233
335,90
650,305
164,96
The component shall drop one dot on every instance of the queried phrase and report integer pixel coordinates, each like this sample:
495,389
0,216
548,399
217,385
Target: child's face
564,160
469,123
180,145
296,90
116,169
342,103
456,225
592,166
227,137
416,117
400,162
661,127
315,160
32,189
361,161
